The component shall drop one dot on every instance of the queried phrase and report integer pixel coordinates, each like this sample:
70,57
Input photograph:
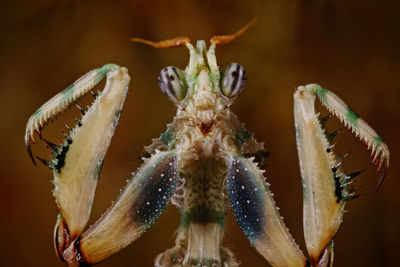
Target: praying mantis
204,163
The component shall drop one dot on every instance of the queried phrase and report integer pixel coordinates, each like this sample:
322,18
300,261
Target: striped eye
234,80
172,83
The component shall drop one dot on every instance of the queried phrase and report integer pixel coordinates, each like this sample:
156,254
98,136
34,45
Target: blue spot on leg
157,187
245,196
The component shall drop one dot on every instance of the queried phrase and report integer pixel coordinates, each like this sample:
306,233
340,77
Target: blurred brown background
349,47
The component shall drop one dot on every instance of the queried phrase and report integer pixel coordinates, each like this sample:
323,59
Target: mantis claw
351,120
61,102
324,197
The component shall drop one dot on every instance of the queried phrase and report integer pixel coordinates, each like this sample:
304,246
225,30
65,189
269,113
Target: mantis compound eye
172,83
234,80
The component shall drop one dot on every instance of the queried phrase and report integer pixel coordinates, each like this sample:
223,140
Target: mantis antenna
174,42
224,39
183,40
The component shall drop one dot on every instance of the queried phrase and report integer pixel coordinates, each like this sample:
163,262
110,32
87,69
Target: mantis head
202,90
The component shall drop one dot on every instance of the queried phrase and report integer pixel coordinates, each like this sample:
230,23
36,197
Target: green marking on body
101,72
214,79
352,117
203,215
110,66
68,94
37,113
195,262
378,140
196,73
168,138
321,92
204,262
241,136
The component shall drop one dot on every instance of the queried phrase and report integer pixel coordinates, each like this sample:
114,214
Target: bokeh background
349,47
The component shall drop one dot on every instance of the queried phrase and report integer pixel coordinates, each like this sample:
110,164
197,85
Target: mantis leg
257,214
325,186
78,160
140,204
76,166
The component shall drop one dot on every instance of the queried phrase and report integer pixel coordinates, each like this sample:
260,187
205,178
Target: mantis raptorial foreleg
78,160
257,214
66,98
77,165
325,186
140,204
